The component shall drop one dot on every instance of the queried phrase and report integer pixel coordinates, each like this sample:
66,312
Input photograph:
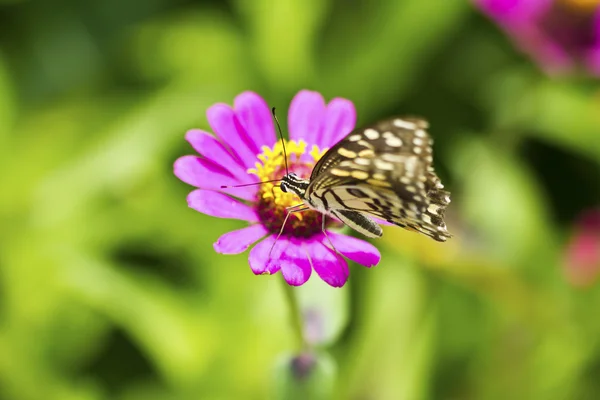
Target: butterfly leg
329,240
290,210
297,208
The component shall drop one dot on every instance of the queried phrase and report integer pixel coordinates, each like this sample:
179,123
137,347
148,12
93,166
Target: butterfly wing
384,171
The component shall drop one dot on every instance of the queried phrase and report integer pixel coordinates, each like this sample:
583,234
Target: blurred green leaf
194,48
130,147
7,110
282,39
375,60
500,198
568,117
556,111
178,339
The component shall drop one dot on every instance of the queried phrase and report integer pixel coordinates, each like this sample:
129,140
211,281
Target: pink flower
246,150
582,256
558,35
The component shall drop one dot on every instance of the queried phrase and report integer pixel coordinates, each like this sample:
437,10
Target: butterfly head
292,183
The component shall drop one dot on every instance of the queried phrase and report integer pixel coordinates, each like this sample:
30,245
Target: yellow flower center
272,203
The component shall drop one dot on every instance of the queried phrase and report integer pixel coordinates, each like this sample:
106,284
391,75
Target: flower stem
295,315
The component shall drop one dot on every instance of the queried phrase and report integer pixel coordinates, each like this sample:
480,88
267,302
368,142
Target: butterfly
382,171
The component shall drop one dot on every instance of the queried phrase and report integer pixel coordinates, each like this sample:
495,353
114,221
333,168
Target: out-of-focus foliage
110,289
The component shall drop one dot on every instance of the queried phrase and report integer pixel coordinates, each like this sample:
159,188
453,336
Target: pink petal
211,149
205,174
357,250
548,54
220,205
194,170
330,266
340,119
261,262
582,259
294,263
514,11
306,116
238,241
255,116
225,124
593,61
523,22
582,255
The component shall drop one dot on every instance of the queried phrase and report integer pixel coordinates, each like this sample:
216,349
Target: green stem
295,315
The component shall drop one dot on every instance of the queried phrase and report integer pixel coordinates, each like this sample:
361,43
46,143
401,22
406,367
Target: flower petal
225,124
340,120
331,267
523,21
582,255
254,115
210,148
357,250
236,242
295,264
306,116
220,205
205,174
593,61
263,263
193,171
592,58
514,11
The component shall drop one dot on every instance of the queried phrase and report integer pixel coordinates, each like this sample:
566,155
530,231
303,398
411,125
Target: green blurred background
110,288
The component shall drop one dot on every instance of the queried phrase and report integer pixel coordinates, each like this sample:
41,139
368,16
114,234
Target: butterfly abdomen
358,222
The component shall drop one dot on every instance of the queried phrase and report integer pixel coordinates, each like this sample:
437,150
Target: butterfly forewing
384,171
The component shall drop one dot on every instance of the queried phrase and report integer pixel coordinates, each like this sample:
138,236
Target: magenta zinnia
246,150
560,35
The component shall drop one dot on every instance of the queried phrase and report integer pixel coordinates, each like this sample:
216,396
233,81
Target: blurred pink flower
560,35
246,150
582,256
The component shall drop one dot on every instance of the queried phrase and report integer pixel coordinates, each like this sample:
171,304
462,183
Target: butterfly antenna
250,184
282,141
